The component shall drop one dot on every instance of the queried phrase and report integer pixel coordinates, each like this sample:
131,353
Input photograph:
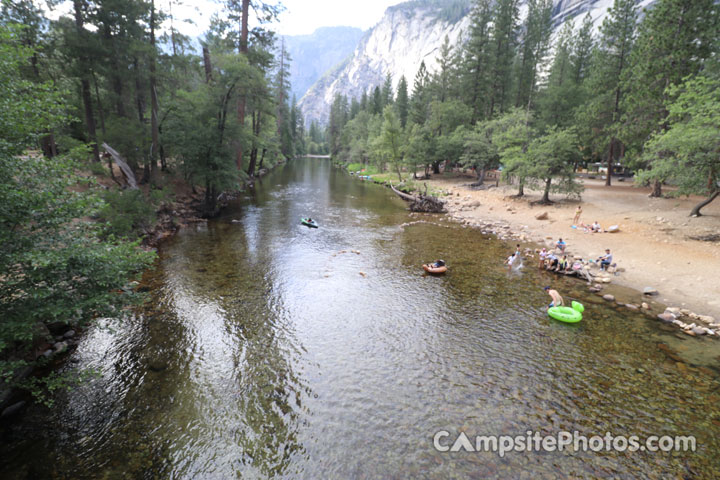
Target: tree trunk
206,63
139,98
85,84
656,189
546,194
610,161
480,178
154,124
696,210
243,47
101,112
436,167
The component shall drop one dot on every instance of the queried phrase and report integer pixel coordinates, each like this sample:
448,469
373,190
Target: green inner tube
566,314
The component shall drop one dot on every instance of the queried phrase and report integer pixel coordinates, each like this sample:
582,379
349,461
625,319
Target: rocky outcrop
406,36
410,33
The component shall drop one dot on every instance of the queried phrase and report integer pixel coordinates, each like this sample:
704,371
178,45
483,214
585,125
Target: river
268,349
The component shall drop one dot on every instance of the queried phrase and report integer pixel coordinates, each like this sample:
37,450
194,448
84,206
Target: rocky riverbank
652,289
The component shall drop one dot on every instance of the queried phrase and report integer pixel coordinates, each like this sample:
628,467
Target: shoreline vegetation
495,211
116,131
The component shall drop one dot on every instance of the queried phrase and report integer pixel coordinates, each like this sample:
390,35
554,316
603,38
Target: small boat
431,268
308,222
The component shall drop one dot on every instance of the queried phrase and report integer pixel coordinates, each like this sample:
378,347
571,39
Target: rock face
408,34
313,55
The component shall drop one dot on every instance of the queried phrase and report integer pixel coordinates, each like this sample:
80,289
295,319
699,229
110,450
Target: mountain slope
412,32
313,55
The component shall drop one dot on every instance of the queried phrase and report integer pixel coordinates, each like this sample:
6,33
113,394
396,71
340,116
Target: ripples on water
273,350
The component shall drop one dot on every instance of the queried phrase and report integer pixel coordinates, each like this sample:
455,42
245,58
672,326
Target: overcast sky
300,17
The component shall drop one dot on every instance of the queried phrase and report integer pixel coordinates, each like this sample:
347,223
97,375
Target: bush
126,213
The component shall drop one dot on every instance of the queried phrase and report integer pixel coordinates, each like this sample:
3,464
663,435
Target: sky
301,17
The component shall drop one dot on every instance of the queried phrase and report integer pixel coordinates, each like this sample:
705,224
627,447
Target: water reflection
273,350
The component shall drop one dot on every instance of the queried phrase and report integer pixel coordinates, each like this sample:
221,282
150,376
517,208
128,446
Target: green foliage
55,267
126,213
688,152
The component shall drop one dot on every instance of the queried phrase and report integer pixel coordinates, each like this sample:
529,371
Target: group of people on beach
556,260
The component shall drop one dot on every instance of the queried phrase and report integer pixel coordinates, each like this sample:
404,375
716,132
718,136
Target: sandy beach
658,244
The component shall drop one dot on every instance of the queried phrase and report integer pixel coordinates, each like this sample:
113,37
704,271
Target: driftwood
421,203
124,167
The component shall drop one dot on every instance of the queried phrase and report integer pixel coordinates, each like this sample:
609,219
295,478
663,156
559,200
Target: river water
269,349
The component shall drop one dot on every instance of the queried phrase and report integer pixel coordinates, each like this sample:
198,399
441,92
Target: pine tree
537,30
386,94
377,101
504,39
674,40
582,50
476,60
401,101
609,61
418,102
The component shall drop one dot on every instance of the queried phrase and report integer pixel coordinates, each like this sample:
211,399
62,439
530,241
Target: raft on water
434,269
309,223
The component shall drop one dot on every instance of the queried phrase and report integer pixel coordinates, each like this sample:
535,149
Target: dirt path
655,244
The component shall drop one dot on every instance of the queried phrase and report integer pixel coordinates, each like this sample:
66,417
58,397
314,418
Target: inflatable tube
578,306
430,269
565,314
311,224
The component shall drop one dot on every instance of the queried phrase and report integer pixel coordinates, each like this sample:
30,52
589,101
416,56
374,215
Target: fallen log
124,167
421,203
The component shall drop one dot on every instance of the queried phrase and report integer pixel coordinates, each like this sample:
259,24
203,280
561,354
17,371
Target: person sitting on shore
560,245
595,228
557,300
553,261
562,265
605,260
578,212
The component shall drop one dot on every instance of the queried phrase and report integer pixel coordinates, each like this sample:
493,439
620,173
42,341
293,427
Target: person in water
511,259
557,300
438,263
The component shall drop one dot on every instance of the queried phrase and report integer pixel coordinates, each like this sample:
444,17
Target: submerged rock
650,291
609,297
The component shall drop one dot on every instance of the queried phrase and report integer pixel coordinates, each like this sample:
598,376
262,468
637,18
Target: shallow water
269,349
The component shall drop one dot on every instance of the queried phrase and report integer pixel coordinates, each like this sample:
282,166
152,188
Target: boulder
60,347
630,306
650,291
698,331
541,216
613,228
609,297
666,317
69,334
674,310
706,318
645,306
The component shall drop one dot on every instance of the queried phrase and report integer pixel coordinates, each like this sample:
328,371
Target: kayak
431,269
567,314
309,223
